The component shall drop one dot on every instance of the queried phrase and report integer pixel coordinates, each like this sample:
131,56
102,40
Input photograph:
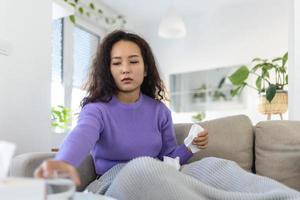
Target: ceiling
200,15
151,11
233,31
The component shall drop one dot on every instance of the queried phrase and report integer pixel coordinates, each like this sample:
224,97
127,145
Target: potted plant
200,93
198,117
60,118
271,80
91,10
60,123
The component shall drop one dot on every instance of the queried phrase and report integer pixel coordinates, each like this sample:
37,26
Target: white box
22,188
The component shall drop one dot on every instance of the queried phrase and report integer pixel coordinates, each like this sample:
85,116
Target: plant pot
278,105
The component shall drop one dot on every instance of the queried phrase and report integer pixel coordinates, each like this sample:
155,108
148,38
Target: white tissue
7,150
195,129
174,162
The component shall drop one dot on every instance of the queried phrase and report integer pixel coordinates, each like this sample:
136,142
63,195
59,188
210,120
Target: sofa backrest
229,138
277,151
276,145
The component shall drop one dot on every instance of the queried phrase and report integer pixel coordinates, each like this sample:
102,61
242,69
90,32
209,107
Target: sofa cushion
229,138
277,151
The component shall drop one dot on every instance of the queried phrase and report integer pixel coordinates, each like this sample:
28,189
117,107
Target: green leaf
61,126
198,117
284,59
64,111
72,4
270,93
239,76
57,113
267,66
72,19
100,11
286,79
256,67
54,124
256,59
276,59
80,9
259,60
265,73
282,70
258,83
236,90
222,81
92,6
76,1
88,14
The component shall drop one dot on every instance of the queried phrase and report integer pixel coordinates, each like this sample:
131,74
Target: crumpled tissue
195,129
174,162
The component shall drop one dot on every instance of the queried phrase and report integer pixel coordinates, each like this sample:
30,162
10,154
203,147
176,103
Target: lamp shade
172,26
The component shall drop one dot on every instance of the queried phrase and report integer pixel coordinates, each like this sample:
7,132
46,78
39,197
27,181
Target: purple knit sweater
115,132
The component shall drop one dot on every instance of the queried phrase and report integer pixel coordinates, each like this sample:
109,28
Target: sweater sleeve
169,143
83,137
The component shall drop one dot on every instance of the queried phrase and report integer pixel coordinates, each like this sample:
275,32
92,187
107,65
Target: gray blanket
209,178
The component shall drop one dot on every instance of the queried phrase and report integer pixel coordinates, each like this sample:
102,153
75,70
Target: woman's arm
75,147
169,143
83,137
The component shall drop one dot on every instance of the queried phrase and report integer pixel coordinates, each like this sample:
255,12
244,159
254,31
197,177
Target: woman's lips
126,80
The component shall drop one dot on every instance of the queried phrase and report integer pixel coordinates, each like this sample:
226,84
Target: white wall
233,34
294,61
25,75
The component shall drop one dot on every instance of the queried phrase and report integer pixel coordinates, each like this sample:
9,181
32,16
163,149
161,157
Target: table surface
90,196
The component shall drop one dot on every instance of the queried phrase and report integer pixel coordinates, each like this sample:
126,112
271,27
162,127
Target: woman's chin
129,89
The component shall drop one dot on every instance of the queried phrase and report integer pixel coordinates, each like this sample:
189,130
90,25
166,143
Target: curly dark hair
100,84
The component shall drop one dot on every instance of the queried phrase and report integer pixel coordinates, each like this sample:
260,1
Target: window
57,94
85,45
205,90
73,48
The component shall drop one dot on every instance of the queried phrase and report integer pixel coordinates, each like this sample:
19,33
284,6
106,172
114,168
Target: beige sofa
269,148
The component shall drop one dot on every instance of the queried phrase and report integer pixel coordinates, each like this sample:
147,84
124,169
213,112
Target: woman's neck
129,97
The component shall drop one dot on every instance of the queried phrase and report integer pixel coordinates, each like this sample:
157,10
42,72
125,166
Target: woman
122,117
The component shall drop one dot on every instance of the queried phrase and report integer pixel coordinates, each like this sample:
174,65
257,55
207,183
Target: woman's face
127,66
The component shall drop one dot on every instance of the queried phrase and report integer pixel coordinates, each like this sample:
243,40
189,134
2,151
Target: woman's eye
116,63
134,62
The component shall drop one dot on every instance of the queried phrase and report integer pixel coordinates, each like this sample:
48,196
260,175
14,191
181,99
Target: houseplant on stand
271,80
61,117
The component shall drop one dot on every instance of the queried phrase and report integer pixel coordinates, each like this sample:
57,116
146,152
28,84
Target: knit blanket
209,178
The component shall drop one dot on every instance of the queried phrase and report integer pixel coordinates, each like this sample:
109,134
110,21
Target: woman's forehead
125,49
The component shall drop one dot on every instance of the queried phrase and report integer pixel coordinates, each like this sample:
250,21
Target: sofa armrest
24,165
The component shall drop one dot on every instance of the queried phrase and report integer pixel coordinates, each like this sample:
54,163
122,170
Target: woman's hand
54,168
201,141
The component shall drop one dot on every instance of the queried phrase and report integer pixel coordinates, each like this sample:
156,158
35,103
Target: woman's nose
125,69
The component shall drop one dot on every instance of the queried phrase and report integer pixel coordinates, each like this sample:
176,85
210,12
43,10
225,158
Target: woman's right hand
54,168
